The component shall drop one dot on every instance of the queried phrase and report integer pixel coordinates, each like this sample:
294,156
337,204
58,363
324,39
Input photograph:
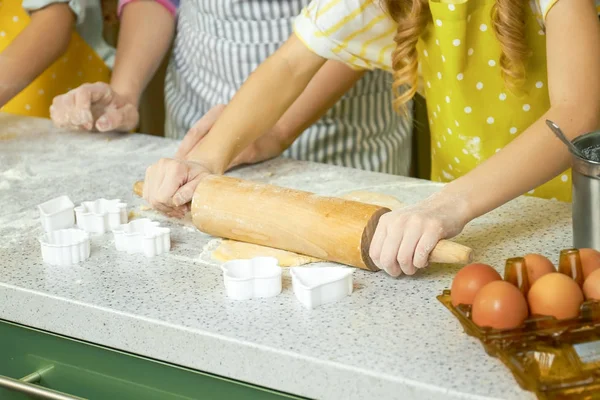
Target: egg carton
317,286
142,236
65,246
555,359
57,213
101,215
258,277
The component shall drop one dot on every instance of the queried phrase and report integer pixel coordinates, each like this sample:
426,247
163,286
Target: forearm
537,156
532,159
267,94
146,32
31,52
332,81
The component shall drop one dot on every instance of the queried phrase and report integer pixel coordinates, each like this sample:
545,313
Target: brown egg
499,305
590,261
557,295
537,266
469,280
591,286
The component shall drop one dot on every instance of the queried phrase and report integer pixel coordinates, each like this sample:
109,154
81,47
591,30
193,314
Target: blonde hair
413,16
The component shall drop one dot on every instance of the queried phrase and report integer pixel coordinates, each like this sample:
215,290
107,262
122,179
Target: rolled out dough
232,249
378,199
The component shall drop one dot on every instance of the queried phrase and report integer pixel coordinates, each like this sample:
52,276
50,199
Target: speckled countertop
390,339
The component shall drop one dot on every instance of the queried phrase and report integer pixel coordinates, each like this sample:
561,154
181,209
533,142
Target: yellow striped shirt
360,33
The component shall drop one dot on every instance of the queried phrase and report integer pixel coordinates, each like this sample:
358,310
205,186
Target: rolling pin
328,228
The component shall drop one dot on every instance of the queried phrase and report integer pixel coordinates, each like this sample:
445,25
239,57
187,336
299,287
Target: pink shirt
170,5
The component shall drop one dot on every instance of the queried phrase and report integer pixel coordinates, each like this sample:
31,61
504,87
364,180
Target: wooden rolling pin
329,228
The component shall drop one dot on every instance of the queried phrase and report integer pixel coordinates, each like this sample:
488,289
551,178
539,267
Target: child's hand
267,146
198,131
170,184
94,106
404,238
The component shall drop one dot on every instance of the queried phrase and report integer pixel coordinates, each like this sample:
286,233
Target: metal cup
586,195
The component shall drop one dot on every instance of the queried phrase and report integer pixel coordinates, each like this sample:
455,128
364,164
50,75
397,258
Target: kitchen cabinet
93,372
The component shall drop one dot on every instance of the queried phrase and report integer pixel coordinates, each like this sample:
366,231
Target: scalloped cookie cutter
57,213
101,215
65,246
314,287
143,236
253,278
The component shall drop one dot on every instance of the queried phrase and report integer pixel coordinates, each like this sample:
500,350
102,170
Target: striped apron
220,42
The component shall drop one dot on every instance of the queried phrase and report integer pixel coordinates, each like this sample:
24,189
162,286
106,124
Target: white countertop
391,339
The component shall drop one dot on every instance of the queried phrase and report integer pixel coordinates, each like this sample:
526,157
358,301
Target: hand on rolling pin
404,238
269,145
94,106
169,185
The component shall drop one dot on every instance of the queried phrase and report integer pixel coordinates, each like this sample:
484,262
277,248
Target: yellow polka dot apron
472,114
78,65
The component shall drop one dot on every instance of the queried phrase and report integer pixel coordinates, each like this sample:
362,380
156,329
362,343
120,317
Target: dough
138,188
232,249
378,199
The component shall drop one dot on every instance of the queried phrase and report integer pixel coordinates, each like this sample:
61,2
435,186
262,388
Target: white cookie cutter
253,278
57,214
314,287
65,246
143,236
101,215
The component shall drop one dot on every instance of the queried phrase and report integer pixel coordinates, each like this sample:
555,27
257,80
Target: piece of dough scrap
138,188
233,250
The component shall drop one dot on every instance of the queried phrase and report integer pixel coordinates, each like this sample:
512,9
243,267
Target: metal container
586,195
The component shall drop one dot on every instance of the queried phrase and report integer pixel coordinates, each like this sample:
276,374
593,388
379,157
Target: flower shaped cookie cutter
253,278
65,246
57,214
314,287
142,236
101,215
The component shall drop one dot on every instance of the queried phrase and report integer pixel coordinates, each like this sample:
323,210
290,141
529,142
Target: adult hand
94,106
404,238
170,184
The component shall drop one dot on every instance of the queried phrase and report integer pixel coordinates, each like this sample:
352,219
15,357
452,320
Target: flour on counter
208,249
15,175
186,222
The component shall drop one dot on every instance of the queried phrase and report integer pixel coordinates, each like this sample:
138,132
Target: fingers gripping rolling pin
329,228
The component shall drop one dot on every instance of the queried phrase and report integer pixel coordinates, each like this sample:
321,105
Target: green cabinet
92,372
